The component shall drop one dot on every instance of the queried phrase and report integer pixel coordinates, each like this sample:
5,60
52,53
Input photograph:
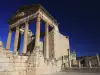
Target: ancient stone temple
37,57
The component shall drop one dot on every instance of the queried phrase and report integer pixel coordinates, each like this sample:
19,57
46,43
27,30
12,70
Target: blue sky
80,20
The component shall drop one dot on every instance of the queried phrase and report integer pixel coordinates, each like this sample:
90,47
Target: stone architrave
9,39
16,39
25,38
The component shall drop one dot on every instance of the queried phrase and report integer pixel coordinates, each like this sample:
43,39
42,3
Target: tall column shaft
16,39
69,59
25,38
9,39
37,40
19,41
46,41
79,63
90,65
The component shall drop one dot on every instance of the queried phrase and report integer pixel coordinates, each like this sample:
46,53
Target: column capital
26,23
10,30
17,28
38,18
47,24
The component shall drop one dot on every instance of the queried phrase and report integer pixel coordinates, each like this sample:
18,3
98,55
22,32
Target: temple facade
37,57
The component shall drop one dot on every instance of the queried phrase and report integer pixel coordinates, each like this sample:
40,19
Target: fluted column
9,39
16,39
46,41
25,38
37,37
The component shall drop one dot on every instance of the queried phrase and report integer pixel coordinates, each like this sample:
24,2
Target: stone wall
51,44
11,64
61,45
94,62
58,44
15,64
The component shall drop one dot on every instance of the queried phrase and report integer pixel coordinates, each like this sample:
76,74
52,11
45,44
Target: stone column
37,42
25,38
9,39
19,41
46,41
37,37
16,39
79,64
69,59
62,65
63,62
90,65
98,60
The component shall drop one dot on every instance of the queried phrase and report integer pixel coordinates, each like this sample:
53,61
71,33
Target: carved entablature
28,13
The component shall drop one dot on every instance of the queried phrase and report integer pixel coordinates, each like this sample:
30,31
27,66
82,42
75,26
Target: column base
16,52
7,49
36,47
23,54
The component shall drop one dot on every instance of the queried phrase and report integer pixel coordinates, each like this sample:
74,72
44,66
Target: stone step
83,70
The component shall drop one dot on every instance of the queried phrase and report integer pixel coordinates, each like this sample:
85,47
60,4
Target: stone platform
14,64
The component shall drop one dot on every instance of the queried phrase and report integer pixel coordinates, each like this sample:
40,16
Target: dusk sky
78,19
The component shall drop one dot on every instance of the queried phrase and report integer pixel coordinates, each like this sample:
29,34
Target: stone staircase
83,70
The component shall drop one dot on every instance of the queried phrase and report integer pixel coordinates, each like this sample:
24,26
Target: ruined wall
93,60
11,64
61,45
14,64
58,44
